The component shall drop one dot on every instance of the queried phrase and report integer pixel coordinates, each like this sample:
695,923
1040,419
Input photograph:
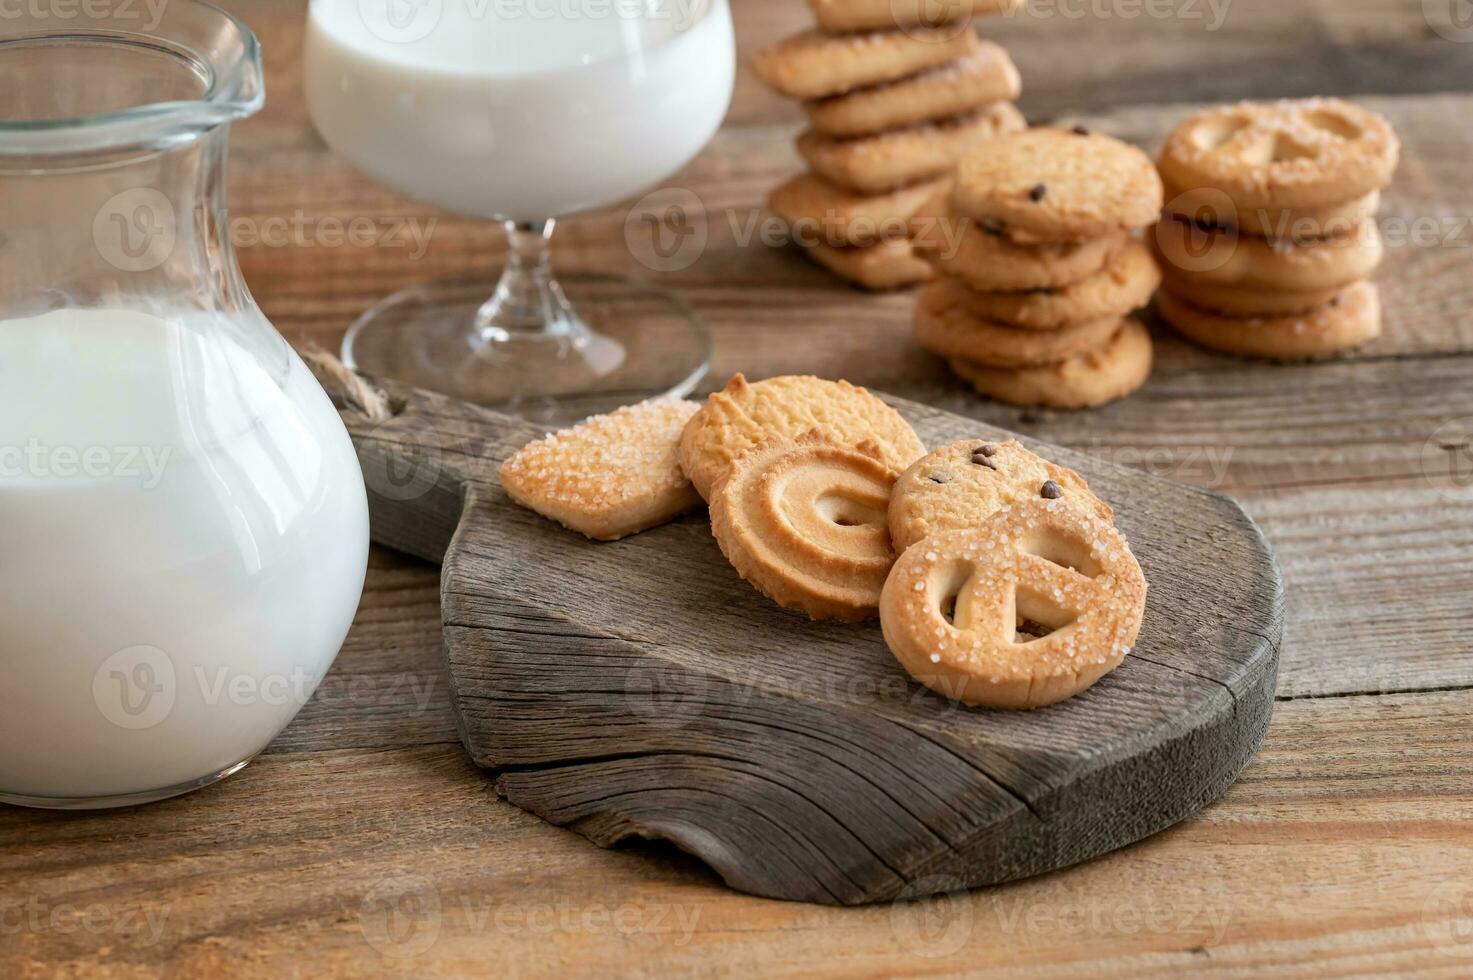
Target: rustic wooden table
365,842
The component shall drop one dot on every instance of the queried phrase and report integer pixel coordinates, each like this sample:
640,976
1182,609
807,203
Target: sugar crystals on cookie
1269,237
609,476
1032,606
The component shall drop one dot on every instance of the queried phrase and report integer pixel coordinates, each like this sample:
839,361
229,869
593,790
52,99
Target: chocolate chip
986,449
941,478
1037,193
1334,301
1080,130
993,226
1050,490
981,460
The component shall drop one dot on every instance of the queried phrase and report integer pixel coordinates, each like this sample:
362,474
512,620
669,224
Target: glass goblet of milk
524,111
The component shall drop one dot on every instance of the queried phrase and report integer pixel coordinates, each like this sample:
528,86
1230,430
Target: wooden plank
752,294
1075,55
1346,848
1089,55
793,756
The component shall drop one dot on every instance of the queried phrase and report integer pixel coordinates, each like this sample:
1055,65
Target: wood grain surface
641,689
366,842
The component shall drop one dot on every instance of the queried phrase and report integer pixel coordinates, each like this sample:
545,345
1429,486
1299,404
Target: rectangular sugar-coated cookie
609,476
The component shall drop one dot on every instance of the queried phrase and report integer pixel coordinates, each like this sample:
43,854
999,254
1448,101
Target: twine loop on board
346,387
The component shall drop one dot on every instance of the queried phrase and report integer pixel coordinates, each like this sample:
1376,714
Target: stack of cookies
1269,236
893,99
1041,269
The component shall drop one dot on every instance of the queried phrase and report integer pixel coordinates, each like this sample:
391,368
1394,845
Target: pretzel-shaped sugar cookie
1302,153
805,522
1031,607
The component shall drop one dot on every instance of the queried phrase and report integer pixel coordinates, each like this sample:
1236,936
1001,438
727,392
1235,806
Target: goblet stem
528,303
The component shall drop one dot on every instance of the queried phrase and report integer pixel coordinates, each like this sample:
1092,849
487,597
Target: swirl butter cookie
945,326
1305,153
804,522
842,16
1032,607
1126,283
816,209
962,484
979,79
890,264
1223,257
1085,381
744,416
609,476
1057,185
1350,319
812,64
874,164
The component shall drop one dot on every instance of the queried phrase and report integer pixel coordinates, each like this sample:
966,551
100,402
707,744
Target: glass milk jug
183,523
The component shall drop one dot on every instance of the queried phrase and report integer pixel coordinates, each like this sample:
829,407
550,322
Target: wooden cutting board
639,688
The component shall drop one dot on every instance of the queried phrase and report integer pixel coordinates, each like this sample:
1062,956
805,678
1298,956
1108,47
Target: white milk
526,109
183,540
